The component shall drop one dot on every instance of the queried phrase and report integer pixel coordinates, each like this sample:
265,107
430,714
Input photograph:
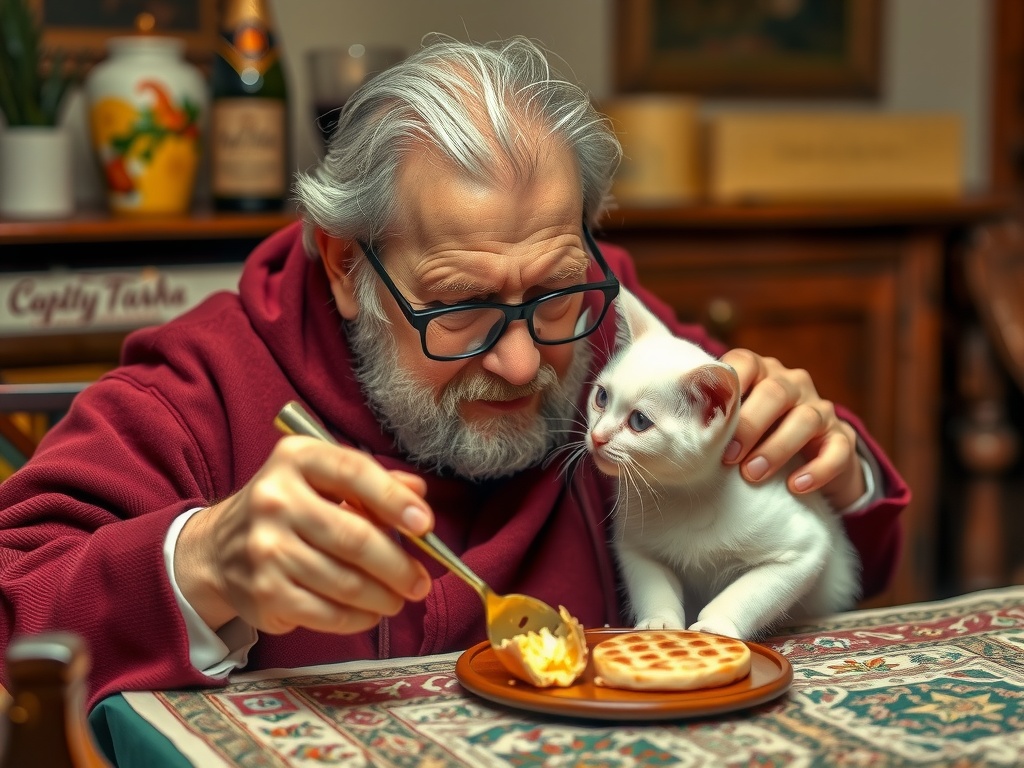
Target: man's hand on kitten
782,416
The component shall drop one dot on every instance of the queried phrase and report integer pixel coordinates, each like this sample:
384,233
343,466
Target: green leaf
29,94
50,91
9,101
22,41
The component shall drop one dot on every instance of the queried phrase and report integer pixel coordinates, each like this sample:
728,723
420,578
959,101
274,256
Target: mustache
482,387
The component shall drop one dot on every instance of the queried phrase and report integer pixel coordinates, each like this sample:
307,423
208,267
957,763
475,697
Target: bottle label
249,148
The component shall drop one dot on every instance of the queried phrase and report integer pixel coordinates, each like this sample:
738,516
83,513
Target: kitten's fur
689,531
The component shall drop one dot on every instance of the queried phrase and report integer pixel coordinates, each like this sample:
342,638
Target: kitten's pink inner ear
716,391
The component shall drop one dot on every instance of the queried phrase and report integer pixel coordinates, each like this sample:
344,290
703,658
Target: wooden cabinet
851,293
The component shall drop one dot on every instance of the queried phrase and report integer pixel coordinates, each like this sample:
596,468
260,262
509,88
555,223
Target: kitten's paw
717,625
660,622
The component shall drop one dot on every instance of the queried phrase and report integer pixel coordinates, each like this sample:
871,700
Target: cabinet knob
721,314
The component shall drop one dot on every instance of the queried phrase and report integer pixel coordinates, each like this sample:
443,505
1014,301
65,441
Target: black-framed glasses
459,331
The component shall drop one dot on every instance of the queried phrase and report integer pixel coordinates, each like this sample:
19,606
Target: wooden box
661,152
835,156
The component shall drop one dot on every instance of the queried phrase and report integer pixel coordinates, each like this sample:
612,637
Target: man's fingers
415,483
301,522
346,583
346,474
767,403
312,541
349,539
298,607
782,415
831,459
747,365
801,426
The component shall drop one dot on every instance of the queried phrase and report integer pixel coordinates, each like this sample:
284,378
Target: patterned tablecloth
931,684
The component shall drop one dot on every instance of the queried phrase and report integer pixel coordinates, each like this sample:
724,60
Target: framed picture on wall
773,48
82,27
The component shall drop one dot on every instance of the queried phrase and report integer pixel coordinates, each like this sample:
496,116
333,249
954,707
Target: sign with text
87,301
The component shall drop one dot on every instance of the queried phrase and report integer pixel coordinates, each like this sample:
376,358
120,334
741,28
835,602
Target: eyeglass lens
554,320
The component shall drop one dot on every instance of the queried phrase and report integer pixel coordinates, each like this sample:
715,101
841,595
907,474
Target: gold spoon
506,615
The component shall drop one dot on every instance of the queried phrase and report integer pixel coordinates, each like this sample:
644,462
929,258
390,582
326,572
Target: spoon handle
438,550
293,419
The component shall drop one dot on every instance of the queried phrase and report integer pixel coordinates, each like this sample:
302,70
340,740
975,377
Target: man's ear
336,255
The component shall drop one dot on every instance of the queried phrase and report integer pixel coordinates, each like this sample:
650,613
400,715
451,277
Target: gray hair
481,106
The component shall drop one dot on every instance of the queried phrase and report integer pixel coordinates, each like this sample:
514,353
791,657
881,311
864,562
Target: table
939,683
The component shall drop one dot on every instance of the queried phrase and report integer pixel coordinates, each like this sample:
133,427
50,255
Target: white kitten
699,546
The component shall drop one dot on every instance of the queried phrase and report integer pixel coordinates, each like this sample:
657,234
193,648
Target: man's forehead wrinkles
442,266
574,268
450,277
485,272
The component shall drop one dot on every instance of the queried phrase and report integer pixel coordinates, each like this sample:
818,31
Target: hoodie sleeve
82,527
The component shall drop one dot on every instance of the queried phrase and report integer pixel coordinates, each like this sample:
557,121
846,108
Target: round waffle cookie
660,660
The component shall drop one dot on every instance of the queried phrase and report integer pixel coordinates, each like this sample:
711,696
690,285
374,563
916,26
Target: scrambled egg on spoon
545,659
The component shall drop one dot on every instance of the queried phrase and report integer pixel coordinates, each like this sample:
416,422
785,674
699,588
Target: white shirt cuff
873,481
215,654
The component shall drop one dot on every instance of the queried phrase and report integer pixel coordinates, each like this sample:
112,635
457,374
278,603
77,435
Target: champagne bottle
45,718
249,136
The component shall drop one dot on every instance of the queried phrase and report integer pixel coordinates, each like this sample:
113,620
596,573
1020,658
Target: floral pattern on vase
145,118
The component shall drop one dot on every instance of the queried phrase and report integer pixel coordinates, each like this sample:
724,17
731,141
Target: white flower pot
35,173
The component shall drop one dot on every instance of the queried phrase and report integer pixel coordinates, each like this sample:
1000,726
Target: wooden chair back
994,267
27,411
990,360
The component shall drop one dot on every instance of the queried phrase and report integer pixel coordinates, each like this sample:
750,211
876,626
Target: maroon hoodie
188,419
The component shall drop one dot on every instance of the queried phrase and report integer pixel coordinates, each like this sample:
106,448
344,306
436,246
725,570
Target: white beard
434,433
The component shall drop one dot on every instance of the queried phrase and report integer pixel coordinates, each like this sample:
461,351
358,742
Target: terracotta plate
480,672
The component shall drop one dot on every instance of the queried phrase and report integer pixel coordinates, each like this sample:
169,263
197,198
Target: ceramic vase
147,107
36,179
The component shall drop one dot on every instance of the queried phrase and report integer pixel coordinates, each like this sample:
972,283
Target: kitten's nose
597,440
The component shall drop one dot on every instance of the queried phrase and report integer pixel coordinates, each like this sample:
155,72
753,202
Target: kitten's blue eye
638,422
600,397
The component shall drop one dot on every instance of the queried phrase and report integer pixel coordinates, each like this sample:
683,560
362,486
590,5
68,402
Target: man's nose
515,357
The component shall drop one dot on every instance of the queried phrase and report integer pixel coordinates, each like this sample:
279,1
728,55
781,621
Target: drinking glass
336,72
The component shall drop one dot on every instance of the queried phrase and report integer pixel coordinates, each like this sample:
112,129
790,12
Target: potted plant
35,150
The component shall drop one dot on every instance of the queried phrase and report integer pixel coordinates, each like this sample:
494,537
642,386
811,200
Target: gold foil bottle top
247,41
145,23
245,12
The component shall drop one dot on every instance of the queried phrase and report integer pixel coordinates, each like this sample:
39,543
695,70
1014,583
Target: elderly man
439,310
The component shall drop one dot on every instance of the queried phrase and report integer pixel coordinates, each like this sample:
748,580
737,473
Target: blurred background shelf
872,213
99,226
98,239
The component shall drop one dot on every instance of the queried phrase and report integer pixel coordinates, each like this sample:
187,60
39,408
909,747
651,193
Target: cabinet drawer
841,329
